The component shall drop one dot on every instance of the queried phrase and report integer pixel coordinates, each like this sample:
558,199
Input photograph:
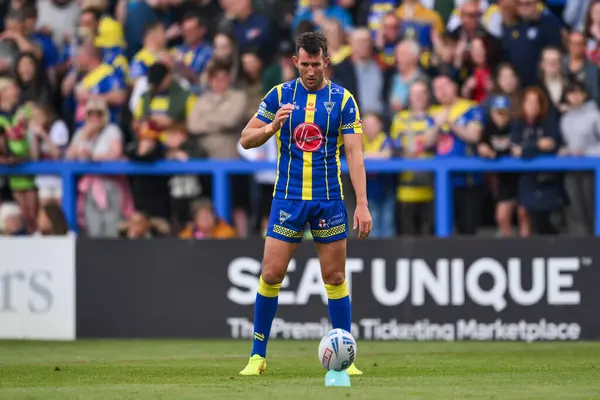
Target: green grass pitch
193,369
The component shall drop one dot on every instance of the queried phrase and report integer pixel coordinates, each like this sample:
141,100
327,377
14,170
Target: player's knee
334,278
272,275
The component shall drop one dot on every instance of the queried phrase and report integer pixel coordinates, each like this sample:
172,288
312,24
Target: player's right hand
282,115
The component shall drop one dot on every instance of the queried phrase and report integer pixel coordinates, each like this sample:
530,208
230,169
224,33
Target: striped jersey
309,142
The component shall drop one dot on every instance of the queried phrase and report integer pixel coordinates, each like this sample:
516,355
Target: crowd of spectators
147,80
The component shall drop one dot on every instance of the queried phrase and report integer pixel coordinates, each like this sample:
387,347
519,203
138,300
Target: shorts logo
283,216
322,224
308,137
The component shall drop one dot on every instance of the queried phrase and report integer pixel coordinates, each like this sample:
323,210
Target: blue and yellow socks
265,308
340,311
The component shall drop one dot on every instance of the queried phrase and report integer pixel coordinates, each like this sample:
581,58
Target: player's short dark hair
312,42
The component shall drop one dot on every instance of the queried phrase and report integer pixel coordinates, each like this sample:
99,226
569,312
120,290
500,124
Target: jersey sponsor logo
283,216
311,107
308,137
445,144
329,106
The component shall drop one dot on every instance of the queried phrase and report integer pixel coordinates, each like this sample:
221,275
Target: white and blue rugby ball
337,350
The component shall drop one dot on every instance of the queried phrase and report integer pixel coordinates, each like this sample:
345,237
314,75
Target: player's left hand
362,221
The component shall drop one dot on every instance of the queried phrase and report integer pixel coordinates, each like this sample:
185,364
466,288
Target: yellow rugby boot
256,366
352,370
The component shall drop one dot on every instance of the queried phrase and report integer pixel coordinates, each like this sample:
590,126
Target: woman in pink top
103,200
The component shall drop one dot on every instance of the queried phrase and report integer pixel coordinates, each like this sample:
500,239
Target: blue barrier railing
221,170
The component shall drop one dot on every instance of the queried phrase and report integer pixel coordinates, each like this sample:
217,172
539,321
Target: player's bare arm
257,132
356,165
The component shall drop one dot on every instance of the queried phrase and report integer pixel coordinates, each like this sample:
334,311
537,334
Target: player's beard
315,83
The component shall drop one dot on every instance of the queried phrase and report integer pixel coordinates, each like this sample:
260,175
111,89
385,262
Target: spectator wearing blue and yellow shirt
155,40
376,13
380,188
386,39
458,128
98,79
419,23
107,35
110,39
194,54
411,133
166,104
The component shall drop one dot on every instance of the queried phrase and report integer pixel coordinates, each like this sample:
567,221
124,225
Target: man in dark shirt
535,29
251,29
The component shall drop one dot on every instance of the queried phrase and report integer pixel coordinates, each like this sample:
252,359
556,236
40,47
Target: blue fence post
69,197
597,200
221,193
443,202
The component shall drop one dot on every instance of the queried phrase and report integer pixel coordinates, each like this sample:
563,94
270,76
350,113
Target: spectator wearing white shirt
49,138
580,128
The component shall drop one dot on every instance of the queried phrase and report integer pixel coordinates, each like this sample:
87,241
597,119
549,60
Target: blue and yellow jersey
421,22
408,132
140,64
302,5
376,144
194,58
378,185
115,57
377,10
100,81
386,56
462,113
310,141
159,105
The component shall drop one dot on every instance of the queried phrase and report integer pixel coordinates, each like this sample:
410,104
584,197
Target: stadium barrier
406,289
37,288
222,170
